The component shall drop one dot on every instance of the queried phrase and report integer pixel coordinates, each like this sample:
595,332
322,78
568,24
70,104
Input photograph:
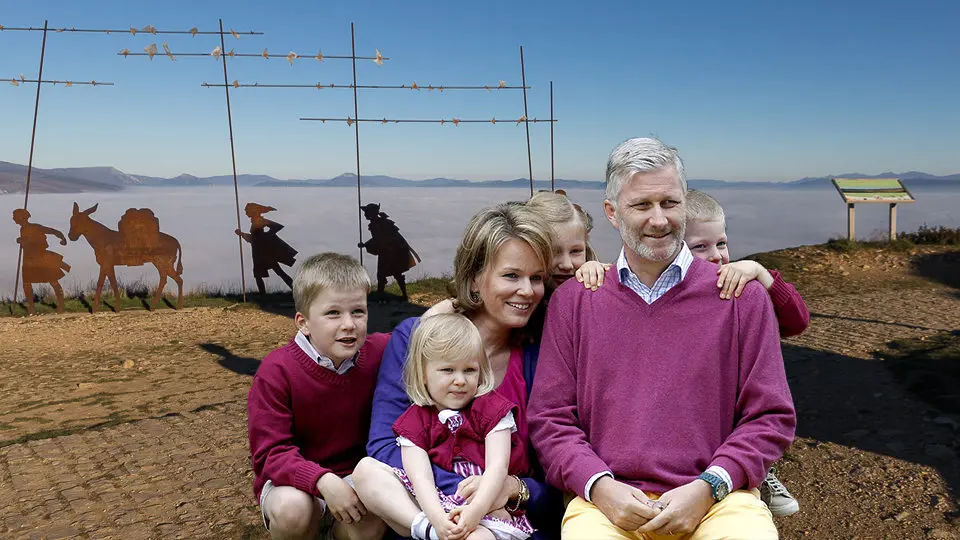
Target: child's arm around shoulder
273,449
792,314
591,274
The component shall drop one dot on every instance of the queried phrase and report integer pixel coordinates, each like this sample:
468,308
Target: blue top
545,508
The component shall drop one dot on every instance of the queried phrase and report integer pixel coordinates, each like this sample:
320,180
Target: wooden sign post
875,190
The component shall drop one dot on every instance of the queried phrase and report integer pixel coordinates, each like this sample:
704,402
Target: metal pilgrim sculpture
394,254
269,251
40,265
137,242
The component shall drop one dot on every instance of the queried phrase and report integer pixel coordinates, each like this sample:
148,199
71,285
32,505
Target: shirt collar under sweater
304,343
670,277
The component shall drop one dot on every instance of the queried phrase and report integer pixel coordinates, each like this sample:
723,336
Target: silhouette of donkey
138,242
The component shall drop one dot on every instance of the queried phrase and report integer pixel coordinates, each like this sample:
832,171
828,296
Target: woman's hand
468,488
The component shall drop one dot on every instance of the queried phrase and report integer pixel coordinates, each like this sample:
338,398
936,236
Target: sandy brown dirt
133,425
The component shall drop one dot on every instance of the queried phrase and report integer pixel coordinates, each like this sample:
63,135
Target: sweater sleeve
792,315
390,401
765,420
273,448
410,425
565,453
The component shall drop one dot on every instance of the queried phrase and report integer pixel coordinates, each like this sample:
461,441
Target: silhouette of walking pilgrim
137,242
40,265
394,254
268,250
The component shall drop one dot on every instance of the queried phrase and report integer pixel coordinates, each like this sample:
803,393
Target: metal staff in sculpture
40,265
394,254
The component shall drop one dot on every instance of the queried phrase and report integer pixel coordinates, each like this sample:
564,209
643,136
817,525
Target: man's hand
685,506
341,499
591,274
625,506
735,276
467,488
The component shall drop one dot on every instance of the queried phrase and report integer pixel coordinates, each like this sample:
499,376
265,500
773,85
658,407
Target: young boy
309,408
707,239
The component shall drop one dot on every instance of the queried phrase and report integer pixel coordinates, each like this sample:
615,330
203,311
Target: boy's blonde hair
702,207
443,336
326,271
485,235
559,210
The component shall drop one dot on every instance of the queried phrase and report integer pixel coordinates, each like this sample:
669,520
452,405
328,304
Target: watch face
722,491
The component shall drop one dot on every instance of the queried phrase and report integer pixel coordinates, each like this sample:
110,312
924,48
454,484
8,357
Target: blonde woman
500,268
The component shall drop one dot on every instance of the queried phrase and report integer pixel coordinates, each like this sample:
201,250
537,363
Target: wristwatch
718,487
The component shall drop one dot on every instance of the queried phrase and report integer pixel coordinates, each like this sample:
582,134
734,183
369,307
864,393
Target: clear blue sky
754,90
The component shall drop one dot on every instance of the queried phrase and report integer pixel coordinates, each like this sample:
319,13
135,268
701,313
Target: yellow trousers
739,516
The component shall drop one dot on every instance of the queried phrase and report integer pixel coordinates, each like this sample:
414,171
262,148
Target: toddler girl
457,423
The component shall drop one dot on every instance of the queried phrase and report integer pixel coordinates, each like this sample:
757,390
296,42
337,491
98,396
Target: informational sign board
872,190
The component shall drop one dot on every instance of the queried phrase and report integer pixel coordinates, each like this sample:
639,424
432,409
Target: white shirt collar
304,343
447,414
682,261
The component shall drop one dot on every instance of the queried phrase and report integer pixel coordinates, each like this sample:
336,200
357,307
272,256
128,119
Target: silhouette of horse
113,248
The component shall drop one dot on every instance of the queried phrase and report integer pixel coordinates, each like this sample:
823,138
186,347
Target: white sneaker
776,496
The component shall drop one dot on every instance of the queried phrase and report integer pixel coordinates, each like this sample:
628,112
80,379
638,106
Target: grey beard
635,243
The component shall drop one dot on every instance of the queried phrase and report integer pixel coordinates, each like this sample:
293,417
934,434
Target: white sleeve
593,480
507,422
403,441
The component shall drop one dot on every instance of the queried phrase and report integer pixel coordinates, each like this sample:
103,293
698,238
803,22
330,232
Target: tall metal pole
356,115
233,159
552,188
33,138
526,121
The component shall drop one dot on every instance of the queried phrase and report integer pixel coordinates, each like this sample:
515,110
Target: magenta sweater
305,420
657,393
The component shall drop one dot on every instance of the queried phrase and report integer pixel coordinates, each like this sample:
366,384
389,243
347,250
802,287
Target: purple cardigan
390,400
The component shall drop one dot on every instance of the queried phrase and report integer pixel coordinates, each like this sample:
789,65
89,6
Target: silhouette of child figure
269,251
394,254
40,265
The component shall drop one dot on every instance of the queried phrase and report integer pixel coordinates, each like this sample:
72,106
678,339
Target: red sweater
792,315
422,426
305,420
657,393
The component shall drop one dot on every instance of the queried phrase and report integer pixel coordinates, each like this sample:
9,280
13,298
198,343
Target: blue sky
747,90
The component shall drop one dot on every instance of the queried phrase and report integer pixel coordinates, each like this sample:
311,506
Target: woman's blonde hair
447,335
558,210
485,235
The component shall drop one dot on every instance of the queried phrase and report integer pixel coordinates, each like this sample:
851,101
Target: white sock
420,526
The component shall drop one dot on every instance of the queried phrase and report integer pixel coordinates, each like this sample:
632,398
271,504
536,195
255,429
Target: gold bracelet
523,495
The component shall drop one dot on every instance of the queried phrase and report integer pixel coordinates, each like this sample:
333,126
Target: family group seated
554,396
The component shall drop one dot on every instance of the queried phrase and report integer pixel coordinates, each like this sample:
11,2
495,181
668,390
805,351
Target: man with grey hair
659,404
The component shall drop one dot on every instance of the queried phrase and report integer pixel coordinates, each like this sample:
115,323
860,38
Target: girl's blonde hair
559,210
443,336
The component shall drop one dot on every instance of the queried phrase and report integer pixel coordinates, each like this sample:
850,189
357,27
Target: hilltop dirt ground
133,425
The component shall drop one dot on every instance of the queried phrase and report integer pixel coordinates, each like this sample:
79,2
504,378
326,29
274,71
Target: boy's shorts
326,518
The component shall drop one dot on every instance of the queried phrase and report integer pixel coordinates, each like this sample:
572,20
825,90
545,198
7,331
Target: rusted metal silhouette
269,251
394,254
40,265
137,242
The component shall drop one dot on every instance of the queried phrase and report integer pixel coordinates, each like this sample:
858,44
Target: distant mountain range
84,179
